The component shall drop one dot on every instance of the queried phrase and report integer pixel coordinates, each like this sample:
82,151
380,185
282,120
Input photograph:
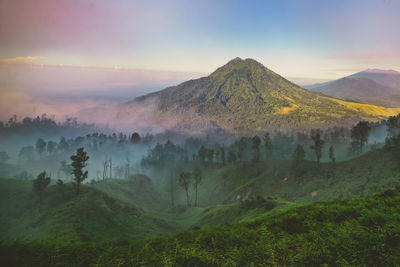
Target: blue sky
305,40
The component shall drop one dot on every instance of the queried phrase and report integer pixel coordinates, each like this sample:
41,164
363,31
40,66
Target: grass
362,231
91,216
372,172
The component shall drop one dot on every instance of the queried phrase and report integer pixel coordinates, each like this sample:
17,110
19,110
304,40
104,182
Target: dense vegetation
362,231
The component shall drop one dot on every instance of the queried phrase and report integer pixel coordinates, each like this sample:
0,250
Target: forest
192,200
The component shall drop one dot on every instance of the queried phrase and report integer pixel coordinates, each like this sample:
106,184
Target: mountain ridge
371,86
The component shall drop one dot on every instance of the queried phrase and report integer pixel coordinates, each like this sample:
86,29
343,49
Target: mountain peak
228,65
238,63
381,71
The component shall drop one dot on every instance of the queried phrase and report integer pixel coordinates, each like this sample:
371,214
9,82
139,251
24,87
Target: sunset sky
307,39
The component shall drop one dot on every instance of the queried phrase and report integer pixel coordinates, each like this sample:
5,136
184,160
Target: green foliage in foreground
364,231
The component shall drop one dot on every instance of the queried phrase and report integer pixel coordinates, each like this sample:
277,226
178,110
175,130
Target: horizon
28,88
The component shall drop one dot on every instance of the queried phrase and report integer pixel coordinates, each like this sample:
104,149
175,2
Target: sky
158,43
301,39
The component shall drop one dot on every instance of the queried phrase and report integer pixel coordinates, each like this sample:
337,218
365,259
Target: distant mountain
389,78
240,97
372,86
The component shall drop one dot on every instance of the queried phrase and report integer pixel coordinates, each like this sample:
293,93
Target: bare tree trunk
110,168
187,198
172,189
195,201
128,167
105,166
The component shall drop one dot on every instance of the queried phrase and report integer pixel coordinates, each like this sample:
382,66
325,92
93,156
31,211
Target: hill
243,96
375,87
91,216
362,231
276,178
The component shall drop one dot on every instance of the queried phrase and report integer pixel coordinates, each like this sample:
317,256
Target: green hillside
114,209
248,213
244,96
91,216
367,174
363,231
135,208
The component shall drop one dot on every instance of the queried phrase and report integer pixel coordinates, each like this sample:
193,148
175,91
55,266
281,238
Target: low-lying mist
31,89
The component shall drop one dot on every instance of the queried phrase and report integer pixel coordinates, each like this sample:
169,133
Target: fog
32,89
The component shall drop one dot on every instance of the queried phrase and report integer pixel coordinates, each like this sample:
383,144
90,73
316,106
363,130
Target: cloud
20,60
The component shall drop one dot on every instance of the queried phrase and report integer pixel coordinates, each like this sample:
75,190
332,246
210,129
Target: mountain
372,86
241,97
361,89
244,96
389,78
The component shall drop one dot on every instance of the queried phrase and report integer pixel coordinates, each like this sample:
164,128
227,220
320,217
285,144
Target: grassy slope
106,210
363,231
370,173
91,216
137,190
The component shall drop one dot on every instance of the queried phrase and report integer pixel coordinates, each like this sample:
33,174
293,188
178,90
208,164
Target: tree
106,163
256,141
332,154
317,147
197,179
210,154
298,160
231,156
202,154
27,153
184,182
360,133
4,157
78,163
222,153
172,187
51,147
63,145
135,138
127,166
268,145
40,184
393,126
66,168
40,146
241,146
